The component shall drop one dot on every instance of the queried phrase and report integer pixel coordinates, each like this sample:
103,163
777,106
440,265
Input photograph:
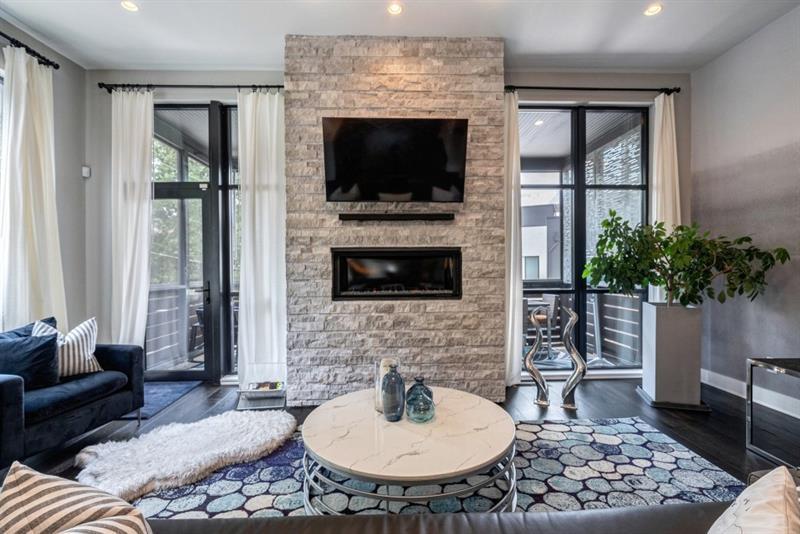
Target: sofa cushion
71,393
32,502
25,331
694,518
35,359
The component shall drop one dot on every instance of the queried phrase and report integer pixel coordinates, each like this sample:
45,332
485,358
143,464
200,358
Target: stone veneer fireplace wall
332,345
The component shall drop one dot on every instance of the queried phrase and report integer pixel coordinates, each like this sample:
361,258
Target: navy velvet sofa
37,420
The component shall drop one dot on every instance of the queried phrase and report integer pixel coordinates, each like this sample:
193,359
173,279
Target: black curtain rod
111,86
19,44
666,90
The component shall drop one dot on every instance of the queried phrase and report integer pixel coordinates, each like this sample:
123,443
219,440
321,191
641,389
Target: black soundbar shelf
397,216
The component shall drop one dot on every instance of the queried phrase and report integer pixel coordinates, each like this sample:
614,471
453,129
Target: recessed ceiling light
653,9
395,8
538,123
129,5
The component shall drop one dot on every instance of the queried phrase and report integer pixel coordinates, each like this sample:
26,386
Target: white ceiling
248,34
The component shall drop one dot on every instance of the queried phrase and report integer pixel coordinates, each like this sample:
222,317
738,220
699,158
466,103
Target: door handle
206,289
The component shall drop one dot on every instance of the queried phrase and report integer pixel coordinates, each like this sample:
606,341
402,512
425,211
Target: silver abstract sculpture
542,396
568,393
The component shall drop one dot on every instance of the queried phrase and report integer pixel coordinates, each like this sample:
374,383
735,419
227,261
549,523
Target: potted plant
689,266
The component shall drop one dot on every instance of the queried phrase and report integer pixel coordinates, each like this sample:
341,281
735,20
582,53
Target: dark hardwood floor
719,436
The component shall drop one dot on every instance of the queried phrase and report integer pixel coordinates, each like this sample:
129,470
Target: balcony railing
612,324
174,335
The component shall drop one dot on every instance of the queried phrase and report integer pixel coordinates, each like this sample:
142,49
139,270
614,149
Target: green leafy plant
684,262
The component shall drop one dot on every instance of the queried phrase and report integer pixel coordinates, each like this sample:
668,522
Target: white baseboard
771,399
725,383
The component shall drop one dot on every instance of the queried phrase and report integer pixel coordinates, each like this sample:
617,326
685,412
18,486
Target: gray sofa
665,519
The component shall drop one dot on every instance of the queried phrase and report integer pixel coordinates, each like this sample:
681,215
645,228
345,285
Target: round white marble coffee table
346,438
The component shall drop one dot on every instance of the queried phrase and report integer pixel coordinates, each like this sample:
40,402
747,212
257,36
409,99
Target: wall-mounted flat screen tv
394,160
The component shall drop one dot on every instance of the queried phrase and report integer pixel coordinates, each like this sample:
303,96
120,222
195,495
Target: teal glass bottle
394,395
419,385
419,402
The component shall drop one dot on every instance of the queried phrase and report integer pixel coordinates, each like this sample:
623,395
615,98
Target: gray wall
746,180
683,118
98,155
68,84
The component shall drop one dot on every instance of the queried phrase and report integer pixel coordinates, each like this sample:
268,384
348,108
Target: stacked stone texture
455,343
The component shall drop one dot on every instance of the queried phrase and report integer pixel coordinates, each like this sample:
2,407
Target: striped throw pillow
75,349
34,503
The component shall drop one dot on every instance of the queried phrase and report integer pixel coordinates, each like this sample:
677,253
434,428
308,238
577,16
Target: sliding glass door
578,163
179,307
184,322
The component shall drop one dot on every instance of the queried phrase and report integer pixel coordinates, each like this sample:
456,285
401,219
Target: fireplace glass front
396,273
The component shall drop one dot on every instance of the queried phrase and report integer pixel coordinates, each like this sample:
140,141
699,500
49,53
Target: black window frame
579,289
226,186
213,239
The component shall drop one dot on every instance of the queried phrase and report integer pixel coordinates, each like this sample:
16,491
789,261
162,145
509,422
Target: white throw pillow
75,349
770,506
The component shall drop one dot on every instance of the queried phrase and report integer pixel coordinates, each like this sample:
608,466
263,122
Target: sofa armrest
128,359
12,419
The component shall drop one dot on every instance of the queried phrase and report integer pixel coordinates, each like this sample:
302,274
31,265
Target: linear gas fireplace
396,273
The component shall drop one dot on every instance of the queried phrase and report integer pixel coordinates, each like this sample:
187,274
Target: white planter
671,355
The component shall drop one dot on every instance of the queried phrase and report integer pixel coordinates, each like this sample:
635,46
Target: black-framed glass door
578,162
183,323
231,238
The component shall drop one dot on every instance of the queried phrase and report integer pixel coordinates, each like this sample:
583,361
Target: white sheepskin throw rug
182,453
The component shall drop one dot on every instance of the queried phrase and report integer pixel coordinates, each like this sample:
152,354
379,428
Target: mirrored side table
773,416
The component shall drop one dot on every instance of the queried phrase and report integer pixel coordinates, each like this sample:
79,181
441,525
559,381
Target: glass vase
419,385
381,369
419,402
394,395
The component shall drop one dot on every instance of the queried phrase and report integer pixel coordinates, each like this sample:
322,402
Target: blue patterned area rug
561,465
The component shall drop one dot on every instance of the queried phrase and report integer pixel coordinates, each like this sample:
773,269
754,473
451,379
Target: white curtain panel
262,287
31,277
513,303
131,204
665,199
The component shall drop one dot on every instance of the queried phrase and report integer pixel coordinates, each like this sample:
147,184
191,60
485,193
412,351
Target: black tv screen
394,160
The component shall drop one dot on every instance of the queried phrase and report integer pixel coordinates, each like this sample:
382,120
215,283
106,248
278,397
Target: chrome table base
319,481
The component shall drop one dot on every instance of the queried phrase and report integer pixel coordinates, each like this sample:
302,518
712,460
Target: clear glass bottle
394,395
419,402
